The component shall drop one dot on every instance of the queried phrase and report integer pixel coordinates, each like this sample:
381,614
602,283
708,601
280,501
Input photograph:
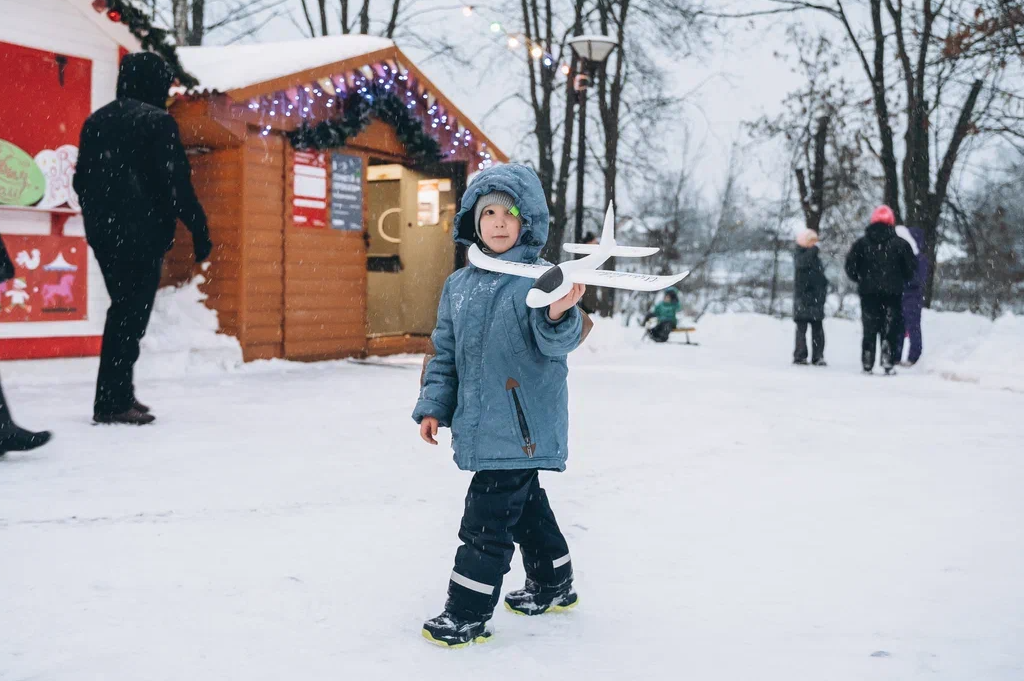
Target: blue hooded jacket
498,378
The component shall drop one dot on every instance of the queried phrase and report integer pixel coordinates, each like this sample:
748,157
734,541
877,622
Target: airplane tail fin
608,232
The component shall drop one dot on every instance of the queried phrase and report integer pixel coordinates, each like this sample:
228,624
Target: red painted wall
46,97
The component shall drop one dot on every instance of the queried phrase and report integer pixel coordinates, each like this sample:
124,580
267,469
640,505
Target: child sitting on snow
498,380
665,312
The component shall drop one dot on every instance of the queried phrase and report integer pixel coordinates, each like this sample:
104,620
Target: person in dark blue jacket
913,296
498,380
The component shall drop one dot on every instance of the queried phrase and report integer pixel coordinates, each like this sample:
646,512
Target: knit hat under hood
495,198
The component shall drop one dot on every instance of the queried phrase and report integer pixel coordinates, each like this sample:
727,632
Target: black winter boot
534,599
132,417
18,439
450,631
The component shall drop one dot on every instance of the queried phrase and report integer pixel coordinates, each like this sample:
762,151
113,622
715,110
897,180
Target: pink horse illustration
62,290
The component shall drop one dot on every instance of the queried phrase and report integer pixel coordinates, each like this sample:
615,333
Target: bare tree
986,274
939,104
322,9
813,202
194,21
543,28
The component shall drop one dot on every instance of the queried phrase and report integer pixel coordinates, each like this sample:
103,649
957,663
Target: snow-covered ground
730,517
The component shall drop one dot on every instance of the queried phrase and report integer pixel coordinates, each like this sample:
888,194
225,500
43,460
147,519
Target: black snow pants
882,315
661,332
817,341
6,422
132,285
503,507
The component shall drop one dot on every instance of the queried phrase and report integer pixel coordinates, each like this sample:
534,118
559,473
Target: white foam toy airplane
555,281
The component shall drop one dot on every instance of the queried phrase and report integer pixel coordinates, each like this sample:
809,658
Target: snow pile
972,349
183,338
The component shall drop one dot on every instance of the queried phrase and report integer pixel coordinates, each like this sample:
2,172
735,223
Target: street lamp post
591,51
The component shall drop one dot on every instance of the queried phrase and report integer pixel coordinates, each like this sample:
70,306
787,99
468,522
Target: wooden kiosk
330,170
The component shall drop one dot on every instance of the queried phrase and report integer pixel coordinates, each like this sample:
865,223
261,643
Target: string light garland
535,49
334,109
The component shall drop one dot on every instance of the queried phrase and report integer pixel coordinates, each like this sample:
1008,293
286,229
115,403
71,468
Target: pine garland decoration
152,38
357,112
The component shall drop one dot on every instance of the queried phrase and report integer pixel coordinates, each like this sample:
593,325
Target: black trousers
661,332
132,285
6,421
817,341
882,316
504,508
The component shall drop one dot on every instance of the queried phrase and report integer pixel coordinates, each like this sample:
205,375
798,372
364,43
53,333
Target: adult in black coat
881,263
810,287
12,437
134,183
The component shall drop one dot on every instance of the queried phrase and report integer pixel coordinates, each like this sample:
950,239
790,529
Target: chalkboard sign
346,192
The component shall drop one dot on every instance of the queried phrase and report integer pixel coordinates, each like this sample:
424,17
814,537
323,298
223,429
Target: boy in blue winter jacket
498,380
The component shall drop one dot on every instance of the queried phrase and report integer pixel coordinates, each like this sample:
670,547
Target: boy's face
499,229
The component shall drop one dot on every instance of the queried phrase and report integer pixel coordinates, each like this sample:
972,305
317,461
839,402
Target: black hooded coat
880,262
133,179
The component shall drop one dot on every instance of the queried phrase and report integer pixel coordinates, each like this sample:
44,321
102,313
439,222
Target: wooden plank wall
324,286
262,296
216,177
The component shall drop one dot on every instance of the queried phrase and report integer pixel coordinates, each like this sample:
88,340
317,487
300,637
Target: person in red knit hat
881,263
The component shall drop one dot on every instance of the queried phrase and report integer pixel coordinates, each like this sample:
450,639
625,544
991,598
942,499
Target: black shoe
21,440
139,406
869,370
800,362
820,363
132,417
536,600
453,632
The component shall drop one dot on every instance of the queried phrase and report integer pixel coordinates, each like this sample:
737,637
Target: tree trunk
345,28
891,193
610,100
938,199
179,9
393,22
323,16
364,18
813,201
818,177
559,202
198,29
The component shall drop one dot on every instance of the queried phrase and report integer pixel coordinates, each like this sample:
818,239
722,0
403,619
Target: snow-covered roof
232,67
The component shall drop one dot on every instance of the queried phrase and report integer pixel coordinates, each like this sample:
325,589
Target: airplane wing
630,281
520,269
617,251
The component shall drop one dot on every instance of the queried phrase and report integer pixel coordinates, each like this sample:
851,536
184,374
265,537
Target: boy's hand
428,429
565,303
